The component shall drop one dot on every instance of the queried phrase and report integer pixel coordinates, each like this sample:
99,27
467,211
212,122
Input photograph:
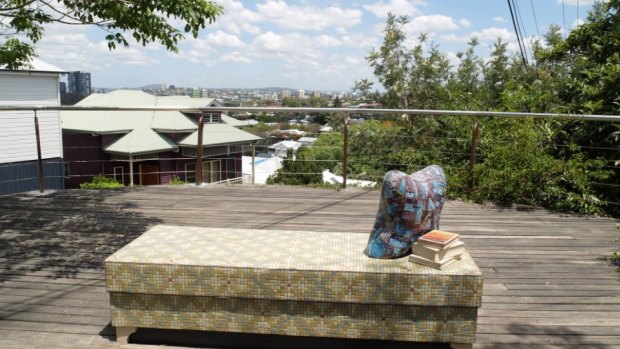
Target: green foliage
177,181
101,182
306,167
312,102
555,163
146,21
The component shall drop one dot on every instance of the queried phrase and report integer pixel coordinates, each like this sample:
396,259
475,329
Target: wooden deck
545,286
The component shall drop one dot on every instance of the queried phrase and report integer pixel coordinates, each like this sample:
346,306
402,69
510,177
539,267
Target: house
307,141
150,147
281,149
325,128
38,85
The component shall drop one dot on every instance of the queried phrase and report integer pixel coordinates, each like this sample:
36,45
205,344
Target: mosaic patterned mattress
295,318
283,265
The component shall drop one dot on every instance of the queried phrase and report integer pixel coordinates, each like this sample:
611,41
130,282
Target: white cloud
487,35
431,24
359,40
235,57
237,18
453,59
327,41
397,7
191,56
578,22
269,41
219,38
73,50
465,22
308,18
493,33
252,29
499,19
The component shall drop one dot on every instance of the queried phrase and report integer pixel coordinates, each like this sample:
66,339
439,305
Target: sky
303,44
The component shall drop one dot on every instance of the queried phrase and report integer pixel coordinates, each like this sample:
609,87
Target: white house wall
17,133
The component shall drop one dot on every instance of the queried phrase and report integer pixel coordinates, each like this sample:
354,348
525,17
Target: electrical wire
520,25
536,19
514,23
564,17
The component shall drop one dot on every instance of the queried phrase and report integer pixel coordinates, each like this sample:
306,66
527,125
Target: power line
514,23
535,19
520,25
564,17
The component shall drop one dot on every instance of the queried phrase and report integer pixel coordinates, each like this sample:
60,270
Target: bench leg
123,333
461,345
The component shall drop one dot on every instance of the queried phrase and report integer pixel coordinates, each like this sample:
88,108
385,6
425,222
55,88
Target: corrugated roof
37,65
141,141
216,134
187,101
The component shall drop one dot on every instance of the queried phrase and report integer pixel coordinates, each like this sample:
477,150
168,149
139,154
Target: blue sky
314,45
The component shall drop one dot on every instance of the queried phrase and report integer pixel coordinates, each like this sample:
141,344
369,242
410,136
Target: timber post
39,155
201,125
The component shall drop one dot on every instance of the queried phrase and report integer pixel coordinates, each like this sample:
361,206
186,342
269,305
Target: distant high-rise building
286,93
301,94
79,83
316,94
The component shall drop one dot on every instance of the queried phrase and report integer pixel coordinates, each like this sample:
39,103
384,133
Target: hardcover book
455,248
437,265
438,238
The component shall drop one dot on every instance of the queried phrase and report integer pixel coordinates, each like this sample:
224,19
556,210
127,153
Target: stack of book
437,249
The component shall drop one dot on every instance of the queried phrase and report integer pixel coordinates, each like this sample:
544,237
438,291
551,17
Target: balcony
544,282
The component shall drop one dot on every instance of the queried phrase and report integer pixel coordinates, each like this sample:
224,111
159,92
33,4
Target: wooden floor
544,287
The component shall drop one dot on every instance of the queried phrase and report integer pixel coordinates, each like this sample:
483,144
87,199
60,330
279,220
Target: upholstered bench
295,283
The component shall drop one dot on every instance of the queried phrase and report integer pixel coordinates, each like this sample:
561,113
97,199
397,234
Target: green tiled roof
215,134
142,126
141,141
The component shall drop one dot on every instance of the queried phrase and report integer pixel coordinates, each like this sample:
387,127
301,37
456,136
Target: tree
22,22
391,62
591,85
363,86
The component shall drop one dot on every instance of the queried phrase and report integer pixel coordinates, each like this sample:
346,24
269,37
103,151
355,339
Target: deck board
545,285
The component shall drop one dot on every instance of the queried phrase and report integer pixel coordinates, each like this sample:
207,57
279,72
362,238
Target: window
118,175
212,118
190,172
66,170
188,152
231,168
211,171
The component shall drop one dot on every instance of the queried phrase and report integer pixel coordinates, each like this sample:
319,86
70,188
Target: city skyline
318,45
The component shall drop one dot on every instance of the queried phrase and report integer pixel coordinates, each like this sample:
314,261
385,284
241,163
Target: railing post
253,163
201,125
345,150
131,171
472,155
39,156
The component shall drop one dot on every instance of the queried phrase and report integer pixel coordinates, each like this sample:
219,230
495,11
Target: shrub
177,181
101,182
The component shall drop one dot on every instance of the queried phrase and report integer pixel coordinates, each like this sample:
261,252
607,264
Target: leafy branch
145,20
